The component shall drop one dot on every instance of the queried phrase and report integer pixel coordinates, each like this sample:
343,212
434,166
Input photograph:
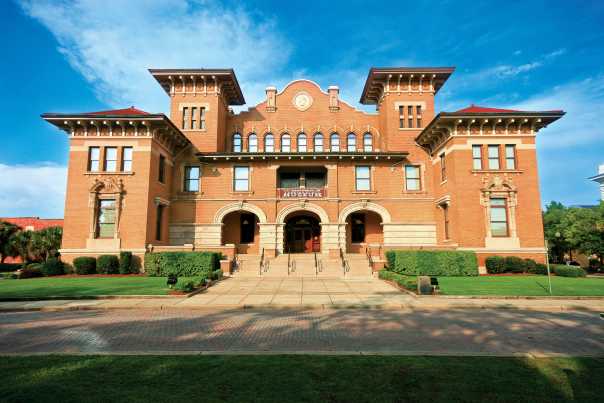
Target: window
476,157
286,143
363,178
318,142
105,221
241,179
410,115
94,156
493,157
194,117
351,142
445,208
202,118
252,143
510,156
162,169
334,142
110,159
289,180
191,179
127,159
443,168
401,117
314,180
357,228
248,227
159,220
269,143
367,142
237,146
302,143
412,179
419,115
185,118
499,217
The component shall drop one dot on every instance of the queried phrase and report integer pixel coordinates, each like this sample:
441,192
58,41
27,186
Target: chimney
334,103
271,99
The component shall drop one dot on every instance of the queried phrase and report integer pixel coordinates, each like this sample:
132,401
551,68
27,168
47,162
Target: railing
261,266
237,264
316,264
289,261
345,265
369,258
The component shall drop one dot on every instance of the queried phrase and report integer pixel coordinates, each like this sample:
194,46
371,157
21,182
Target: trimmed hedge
540,268
52,267
7,267
408,282
531,265
495,264
515,264
31,271
181,264
433,263
217,274
563,270
188,284
126,263
84,265
108,264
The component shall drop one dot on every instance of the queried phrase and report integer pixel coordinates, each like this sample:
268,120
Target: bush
181,264
108,264
594,265
126,263
563,270
217,274
539,268
188,284
68,268
408,282
6,267
433,263
52,267
84,265
495,264
31,271
531,265
515,264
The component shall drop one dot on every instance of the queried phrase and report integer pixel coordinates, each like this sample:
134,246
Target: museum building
303,172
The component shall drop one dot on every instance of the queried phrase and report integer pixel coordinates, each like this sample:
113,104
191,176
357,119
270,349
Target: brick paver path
296,330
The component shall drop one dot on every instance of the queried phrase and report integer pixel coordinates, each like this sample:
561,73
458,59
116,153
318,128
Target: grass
521,285
82,286
299,378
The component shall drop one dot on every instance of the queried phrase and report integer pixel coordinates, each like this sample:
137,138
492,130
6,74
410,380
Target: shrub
68,268
31,271
181,264
84,265
188,284
539,268
531,265
495,264
409,282
217,274
515,264
126,263
6,267
594,265
52,267
108,264
563,270
433,263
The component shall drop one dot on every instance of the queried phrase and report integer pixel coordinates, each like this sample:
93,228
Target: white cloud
27,190
113,42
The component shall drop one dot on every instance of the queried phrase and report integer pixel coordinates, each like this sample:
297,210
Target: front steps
303,265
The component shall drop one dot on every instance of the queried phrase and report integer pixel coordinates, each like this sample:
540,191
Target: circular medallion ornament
302,101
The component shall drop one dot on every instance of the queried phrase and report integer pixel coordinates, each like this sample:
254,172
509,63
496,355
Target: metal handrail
261,266
289,260
345,265
316,264
236,262
369,258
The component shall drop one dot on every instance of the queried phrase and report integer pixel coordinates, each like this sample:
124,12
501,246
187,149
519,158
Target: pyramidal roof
126,111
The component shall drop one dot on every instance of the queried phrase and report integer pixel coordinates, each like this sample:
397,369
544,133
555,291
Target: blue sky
86,55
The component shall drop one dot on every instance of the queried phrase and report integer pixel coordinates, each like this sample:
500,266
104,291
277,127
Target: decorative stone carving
302,100
107,185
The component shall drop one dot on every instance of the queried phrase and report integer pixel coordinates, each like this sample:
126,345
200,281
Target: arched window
318,142
286,143
252,143
301,143
334,142
237,143
269,143
351,142
367,142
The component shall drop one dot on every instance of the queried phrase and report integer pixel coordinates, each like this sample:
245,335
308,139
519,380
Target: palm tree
7,230
46,242
21,243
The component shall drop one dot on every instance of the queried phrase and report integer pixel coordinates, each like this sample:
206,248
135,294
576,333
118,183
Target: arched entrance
363,228
302,232
241,228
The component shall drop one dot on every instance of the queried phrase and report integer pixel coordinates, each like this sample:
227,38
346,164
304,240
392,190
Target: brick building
303,171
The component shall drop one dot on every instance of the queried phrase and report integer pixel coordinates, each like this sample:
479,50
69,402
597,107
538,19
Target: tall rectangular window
401,117
443,168
363,178
202,118
159,221
510,156
110,159
412,179
105,219
445,208
162,169
269,143
126,159
185,118
499,217
493,156
241,179
94,157
410,115
476,157
419,115
193,117
191,179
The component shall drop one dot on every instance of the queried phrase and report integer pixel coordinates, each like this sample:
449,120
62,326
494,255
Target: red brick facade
265,183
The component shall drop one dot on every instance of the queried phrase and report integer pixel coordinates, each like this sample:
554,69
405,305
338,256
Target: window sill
108,173
421,191
486,171
249,192
192,194
364,192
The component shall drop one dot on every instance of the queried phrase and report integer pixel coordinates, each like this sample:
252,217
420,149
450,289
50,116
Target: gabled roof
488,110
115,112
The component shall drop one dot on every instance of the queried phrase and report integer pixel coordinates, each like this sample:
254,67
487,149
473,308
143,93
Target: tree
553,229
46,242
20,242
584,229
6,231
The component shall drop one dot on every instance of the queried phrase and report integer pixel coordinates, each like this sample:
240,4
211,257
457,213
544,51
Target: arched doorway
241,228
302,233
363,228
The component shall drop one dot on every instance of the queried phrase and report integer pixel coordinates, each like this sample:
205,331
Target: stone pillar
279,236
268,238
208,235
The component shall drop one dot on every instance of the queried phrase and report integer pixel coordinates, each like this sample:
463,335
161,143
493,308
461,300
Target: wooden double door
303,235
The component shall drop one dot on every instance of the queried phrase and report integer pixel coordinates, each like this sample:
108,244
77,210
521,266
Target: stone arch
302,206
376,208
229,208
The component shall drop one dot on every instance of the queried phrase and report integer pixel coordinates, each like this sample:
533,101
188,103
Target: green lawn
83,286
299,378
521,285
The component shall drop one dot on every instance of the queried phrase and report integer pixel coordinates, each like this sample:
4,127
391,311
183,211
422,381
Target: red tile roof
35,223
482,109
127,111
